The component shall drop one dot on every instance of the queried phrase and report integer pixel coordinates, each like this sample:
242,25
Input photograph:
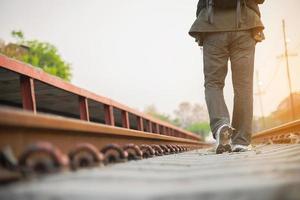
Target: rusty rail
19,128
286,133
43,143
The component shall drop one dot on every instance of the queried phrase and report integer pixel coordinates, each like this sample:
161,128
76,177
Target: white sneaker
241,148
223,137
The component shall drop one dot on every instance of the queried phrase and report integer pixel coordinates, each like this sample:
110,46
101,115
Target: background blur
139,53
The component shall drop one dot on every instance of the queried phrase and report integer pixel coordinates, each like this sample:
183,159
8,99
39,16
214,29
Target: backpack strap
240,5
210,11
209,5
201,4
238,13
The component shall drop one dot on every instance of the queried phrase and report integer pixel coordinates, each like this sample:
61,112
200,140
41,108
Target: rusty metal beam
109,115
167,131
27,93
125,119
164,130
154,127
157,128
148,126
140,125
84,109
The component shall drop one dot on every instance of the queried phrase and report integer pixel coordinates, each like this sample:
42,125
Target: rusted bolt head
147,150
134,152
158,150
113,153
85,155
42,157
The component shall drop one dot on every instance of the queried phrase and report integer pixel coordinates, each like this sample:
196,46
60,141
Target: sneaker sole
223,148
240,150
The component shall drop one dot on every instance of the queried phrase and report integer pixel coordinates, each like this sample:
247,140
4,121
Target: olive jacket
226,20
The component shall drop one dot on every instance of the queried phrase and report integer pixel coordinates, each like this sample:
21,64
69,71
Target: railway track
48,125
288,133
40,143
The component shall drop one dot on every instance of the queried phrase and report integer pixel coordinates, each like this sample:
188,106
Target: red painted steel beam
172,132
153,127
140,125
109,115
164,130
84,109
27,93
154,120
27,70
158,128
125,119
167,131
148,126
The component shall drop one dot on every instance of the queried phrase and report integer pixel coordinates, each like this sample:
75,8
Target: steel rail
42,142
19,128
286,133
29,74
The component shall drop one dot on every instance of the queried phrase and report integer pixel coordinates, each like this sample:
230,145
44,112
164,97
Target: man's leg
242,51
216,54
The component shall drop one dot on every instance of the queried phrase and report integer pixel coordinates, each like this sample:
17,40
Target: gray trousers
218,48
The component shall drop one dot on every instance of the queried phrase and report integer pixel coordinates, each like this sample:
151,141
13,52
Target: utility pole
286,55
259,94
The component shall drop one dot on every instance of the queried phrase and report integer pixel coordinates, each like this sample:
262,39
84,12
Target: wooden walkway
268,172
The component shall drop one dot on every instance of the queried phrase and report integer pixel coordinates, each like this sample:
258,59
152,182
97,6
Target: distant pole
259,93
286,55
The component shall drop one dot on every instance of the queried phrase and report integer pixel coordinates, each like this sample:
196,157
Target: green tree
17,35
200,128
43,55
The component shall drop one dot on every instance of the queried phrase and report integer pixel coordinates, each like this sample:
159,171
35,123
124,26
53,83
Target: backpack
210,5
225,4
221,4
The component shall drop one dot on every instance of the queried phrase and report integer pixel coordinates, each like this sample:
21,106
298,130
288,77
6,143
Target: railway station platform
268,172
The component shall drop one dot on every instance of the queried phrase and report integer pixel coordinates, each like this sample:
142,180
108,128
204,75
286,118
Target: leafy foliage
200,128
43,55
17,34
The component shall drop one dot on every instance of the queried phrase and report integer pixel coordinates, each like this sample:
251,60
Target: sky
138,52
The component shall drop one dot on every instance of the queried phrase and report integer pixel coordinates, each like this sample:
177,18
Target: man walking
229,30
